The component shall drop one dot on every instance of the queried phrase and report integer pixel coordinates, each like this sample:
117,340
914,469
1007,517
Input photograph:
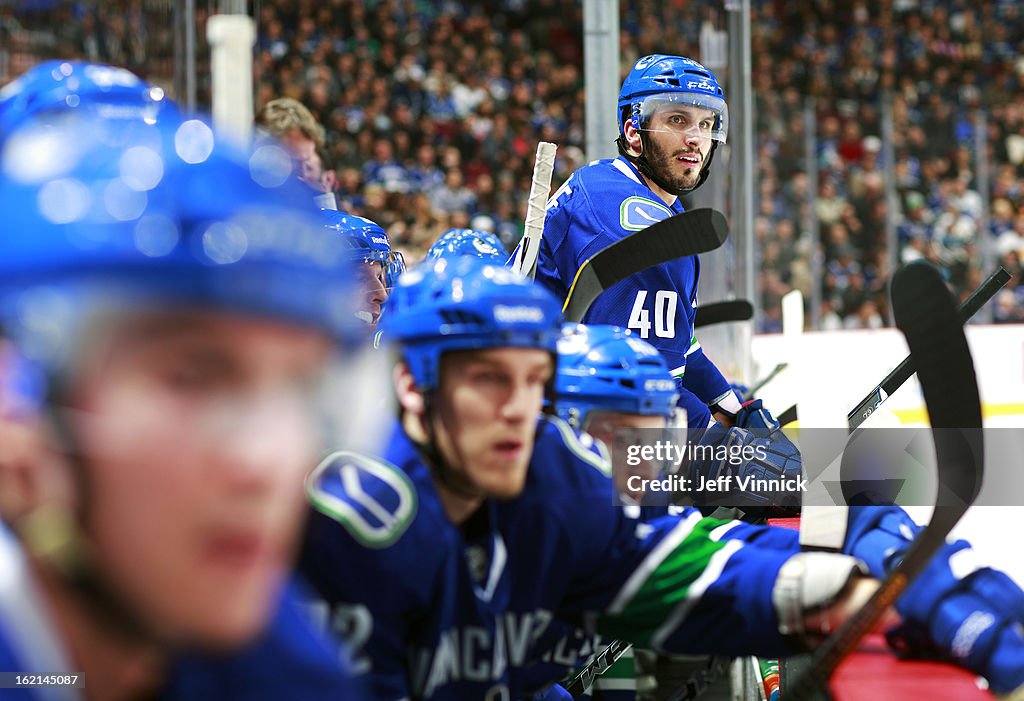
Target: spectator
294,127
453,196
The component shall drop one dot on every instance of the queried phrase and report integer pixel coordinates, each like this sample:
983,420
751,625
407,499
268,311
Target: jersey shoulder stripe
374,500
554,430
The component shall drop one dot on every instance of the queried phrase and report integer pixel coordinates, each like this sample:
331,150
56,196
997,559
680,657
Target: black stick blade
679,236
926,314
723,312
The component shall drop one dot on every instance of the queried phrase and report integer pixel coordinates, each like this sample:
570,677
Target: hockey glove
955,609
754,416
758,473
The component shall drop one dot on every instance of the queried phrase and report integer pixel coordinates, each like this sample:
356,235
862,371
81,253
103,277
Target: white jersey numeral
354,624
665,304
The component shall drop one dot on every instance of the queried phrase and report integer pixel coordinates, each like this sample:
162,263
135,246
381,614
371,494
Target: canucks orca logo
645,61
638,213
372,499
484,247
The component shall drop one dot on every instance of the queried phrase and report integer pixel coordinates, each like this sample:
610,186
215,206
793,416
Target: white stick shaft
231,39
821,526
536,208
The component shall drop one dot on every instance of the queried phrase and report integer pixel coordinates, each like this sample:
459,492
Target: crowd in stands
432,111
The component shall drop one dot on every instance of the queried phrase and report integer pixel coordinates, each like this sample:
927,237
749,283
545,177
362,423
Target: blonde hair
280,116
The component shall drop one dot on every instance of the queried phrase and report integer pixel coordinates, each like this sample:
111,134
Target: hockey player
483,523
468,242
672,117
378,265
610,382
55,88
167,319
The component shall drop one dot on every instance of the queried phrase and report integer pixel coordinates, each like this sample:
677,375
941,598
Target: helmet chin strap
446,474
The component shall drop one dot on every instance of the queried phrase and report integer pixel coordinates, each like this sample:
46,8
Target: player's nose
376,292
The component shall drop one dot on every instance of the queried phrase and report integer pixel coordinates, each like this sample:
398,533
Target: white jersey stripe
651,562
708,577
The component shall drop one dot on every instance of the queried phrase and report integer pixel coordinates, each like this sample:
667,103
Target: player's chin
231,589
687,178
504,479
225,617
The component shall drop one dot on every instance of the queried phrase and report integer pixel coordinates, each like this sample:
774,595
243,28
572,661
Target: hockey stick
536,208
723,312
764,380
598,666
927,316
681,235
895,379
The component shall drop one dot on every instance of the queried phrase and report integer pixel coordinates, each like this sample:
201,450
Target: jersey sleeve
704,379
571,235
673,584
698,415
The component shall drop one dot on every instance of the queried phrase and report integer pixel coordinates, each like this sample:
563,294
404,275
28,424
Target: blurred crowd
432,110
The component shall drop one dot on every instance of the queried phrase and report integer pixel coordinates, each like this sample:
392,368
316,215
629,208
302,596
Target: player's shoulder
563,456
375,501
614,190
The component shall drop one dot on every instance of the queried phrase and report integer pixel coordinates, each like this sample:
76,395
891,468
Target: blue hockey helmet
605,368
658,79
368,242
132,212
466,303
59,87
468,242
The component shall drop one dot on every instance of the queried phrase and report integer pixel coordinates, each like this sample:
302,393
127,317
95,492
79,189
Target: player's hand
955,610
745,461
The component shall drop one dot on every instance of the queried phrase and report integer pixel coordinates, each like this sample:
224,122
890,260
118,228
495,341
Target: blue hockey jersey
600,204
288,661
434,613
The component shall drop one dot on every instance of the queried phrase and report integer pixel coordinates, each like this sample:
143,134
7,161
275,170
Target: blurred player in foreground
168,318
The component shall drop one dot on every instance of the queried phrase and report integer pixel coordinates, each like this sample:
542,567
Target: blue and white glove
754,416
760,469
955,609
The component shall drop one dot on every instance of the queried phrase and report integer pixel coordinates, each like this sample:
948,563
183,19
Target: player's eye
487,377
196,374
